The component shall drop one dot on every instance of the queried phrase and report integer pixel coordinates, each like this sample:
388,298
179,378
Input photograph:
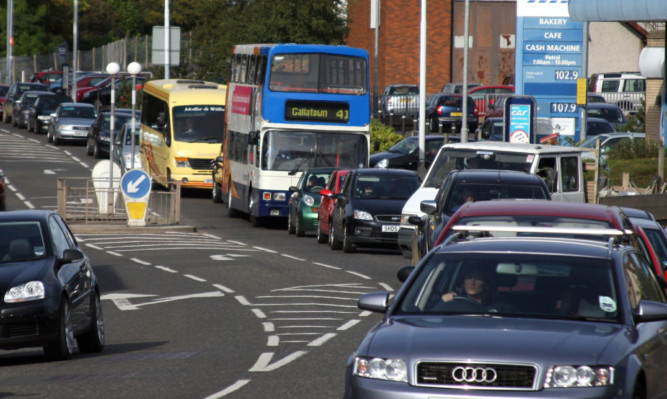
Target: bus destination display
317,111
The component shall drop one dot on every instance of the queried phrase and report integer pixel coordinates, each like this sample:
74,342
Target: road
216,310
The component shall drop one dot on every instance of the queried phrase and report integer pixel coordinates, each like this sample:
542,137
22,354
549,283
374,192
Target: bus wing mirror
160,119
253,137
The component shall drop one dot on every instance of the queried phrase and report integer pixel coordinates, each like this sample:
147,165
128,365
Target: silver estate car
71,121
518,316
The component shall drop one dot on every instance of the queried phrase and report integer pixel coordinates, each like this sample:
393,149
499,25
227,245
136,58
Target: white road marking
234,387
166,269
264,364
190,276
349,325
321,340
223,288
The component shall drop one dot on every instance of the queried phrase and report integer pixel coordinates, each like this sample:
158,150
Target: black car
97,143
368,208
14,92
22,107
41,110
51,293
405,153
444,113
462,186
517,317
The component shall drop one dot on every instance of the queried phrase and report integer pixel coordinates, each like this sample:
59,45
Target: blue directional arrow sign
135,184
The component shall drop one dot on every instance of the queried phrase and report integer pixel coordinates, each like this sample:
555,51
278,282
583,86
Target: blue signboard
549,58
520,119
136,184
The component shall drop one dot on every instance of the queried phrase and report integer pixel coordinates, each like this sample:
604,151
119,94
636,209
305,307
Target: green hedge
383,134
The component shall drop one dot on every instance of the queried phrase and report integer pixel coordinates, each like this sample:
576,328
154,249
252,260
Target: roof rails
544,230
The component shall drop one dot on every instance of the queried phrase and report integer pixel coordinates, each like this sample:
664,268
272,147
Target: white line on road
325,265
349,325
166,269
321,340
223,288
234,387
266,250
141,262
190,276
293,257
358,274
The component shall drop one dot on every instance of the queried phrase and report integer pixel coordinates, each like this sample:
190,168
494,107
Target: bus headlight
278,196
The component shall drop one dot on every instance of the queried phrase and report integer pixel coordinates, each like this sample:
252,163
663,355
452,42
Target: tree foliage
215,25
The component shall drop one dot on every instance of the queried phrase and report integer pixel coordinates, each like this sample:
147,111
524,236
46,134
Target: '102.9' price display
566,75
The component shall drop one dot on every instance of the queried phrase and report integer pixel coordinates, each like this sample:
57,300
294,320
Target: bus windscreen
199,123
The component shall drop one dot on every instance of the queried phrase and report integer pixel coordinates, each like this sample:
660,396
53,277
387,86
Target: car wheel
93,340
348,246
639,391
298,228
333,243
4,117
56,140
290,222
49,138
89,148
321,237
216,193
29,127
97,154
232,213
63,347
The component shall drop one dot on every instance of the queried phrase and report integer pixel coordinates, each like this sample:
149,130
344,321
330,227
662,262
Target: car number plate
390,228
456,114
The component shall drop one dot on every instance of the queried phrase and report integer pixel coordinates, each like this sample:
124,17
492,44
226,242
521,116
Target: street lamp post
133,68
112,70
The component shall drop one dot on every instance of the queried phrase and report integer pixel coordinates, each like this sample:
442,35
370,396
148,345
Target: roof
493,176
617,10
512,147
384,171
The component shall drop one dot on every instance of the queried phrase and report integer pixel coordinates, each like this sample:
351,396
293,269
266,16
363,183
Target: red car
540,213
3,92
327,203
486,95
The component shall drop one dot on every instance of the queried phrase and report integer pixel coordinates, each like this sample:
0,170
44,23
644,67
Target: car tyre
63,347
348,245
290,222
97,154
333,243
321,237
93,340
49,138
639,391
89,148
216,193
298,228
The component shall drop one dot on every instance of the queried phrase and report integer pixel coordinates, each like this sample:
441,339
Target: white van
561,168
625,89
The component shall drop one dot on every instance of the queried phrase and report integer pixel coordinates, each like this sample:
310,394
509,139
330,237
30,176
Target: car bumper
369,233
405,235
366,388
81,135
28,324
309,218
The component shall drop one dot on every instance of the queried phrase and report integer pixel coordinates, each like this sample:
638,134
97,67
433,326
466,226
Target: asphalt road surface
213,308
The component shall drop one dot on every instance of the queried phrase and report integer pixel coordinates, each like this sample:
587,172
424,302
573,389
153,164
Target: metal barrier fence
628,102
80,201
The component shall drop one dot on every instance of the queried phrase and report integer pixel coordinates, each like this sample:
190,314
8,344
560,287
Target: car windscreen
21,241
384,186
511,284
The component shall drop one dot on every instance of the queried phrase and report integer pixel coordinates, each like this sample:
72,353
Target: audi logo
474,374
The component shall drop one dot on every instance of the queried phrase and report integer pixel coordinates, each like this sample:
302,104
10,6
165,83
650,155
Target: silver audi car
518,315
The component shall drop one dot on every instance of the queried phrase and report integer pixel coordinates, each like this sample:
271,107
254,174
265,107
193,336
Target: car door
342,199
75,276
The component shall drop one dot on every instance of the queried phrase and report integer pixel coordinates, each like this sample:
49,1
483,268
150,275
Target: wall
612,48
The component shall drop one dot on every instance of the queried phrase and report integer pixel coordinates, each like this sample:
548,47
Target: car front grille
202,164
388,218
85,128
22,330
476,375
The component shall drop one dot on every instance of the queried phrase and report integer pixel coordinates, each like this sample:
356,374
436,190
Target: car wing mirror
416,221
430,207
71,255
293,189
374,301
326,193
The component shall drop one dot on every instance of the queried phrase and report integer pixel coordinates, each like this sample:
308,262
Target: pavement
115,228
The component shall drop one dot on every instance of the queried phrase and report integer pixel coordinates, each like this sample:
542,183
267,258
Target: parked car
101,96
368,208
470,185
123,153
71,122
46,77
3,92
607,141
14,92
624,89
405,153
400,99
516,317
22,107
3,203
82,81
610,112
486,95
457,88
327,203
653,236
444,113
492,129
595,98
303,204
40,111
51,293
596,126
99,134
497,109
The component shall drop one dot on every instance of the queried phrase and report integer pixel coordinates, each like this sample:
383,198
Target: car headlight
362,215
383,163
104,138
381,369
579,376
30,291
43,117
308,200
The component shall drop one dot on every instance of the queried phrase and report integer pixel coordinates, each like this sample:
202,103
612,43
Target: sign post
136,187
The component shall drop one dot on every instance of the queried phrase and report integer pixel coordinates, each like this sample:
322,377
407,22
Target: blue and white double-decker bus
291,107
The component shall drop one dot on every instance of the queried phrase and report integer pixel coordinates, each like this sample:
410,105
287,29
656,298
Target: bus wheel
254,221
231,212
